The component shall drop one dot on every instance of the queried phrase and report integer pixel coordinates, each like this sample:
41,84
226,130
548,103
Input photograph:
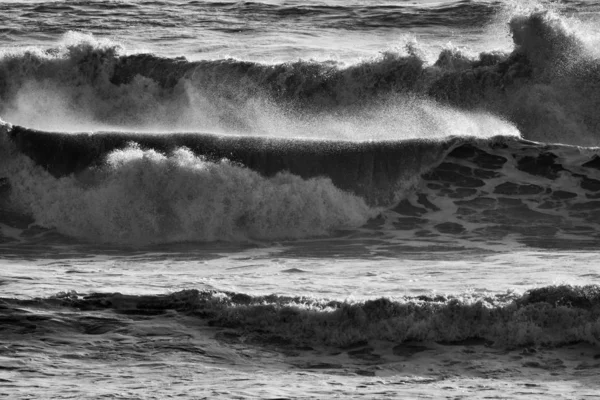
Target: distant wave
253,15
548,87
545,316
456,14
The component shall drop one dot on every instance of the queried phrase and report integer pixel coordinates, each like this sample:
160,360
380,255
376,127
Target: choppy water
299,199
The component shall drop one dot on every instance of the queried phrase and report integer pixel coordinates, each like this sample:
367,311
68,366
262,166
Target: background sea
299,199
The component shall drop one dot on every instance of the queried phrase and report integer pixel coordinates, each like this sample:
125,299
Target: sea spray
545,86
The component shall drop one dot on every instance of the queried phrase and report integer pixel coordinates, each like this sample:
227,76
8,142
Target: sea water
299,199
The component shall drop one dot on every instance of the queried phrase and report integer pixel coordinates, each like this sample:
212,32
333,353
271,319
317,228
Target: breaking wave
547,86
149,188
142,196
305,148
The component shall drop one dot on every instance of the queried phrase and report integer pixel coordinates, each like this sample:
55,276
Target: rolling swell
460,14
547,86
546,316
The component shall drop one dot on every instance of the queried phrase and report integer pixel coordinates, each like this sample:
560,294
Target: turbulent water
299,199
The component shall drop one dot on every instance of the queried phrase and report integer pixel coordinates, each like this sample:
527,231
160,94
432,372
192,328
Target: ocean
288,199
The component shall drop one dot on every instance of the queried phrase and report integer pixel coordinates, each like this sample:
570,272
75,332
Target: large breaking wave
547,86
142,188
305,148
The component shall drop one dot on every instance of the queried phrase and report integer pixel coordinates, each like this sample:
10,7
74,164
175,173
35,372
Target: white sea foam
142,196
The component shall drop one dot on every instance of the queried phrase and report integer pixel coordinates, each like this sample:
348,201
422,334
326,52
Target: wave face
547,87
149,188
